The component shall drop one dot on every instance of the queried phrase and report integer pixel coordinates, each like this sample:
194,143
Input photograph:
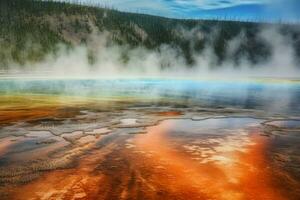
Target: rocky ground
148,150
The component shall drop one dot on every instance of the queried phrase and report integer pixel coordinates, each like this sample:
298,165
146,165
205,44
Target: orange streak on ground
248,178
168,173
75,183
155,142
256,180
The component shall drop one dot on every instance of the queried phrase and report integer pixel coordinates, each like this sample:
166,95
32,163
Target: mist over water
273,97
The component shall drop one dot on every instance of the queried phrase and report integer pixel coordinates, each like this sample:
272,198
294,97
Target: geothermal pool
149,139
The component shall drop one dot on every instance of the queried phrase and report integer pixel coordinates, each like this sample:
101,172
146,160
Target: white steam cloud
166,61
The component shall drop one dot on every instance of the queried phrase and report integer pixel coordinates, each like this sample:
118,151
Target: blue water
273,97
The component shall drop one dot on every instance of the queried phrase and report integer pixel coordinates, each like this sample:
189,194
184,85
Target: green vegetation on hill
32,29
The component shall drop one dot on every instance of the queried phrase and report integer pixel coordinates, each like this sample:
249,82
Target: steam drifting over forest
68,39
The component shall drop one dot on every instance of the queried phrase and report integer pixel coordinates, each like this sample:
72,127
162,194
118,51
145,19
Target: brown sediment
15,108
8,116
36,114
168,113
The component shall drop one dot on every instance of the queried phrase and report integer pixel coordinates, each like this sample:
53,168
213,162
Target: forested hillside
30,30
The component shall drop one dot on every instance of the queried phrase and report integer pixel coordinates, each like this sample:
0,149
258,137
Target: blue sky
229,9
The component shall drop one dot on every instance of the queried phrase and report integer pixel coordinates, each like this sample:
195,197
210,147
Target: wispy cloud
141,5
216,4
241,9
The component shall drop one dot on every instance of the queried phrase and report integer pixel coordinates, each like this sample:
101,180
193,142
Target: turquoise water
269,96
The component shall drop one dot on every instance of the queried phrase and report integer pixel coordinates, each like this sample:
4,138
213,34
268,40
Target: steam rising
121,61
